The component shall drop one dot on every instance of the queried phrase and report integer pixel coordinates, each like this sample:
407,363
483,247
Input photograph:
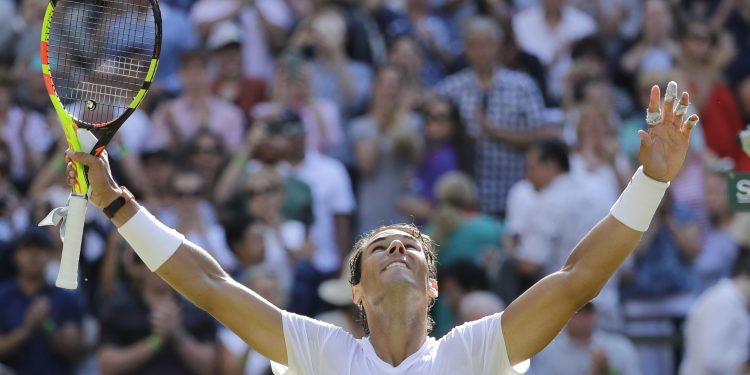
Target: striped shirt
515,103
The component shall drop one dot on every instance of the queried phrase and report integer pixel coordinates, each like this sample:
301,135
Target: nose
396,245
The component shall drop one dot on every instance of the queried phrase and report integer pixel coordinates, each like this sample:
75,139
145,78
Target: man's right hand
104,189
37,312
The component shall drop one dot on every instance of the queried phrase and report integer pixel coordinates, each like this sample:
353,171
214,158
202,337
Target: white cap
224,34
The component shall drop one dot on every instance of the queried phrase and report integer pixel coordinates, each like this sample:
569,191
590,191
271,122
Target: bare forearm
200,357
114,360
11,342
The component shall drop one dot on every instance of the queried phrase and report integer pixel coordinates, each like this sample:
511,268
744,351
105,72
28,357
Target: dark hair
468,275
553,150
460,141
34,237
355,260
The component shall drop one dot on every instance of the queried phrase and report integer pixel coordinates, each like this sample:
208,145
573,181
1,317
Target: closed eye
378,248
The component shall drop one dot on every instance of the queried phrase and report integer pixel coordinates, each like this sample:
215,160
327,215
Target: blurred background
279,131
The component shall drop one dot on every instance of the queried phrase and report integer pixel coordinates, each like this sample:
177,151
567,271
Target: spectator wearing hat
582,349
231,83
40,325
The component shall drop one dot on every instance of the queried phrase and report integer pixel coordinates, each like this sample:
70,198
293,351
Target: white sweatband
638,202
153,241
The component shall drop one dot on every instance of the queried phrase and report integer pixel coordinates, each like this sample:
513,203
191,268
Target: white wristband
639,201
153,241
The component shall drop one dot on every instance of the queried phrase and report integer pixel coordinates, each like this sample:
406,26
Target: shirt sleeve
483,343
311,344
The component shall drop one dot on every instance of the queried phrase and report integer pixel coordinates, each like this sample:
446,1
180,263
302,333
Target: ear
432,288
357,296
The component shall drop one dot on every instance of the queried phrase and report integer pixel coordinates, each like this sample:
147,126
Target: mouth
396,264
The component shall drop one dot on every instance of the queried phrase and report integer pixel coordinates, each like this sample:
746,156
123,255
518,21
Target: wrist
639,201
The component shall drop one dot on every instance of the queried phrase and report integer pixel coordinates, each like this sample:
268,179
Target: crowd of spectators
278,131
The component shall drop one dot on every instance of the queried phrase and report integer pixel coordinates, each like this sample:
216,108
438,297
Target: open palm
664,145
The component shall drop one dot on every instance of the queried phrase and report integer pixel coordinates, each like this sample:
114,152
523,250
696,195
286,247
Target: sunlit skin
395,299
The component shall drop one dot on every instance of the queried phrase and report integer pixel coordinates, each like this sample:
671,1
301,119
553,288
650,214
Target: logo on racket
90,105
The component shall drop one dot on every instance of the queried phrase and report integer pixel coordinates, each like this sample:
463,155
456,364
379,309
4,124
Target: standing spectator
583,349
26,134
292,92
205,153
231,83
333,206
334,75
40,325
717,331
720,248
386,146
548,31
447,148
177,120
500,108
152,331
264,25
702,62
655,48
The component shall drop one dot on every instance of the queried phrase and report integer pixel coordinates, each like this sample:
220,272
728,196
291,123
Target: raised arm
537,316
188,268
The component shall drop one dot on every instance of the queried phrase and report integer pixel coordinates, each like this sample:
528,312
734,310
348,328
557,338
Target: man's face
481,49
31,261
393,262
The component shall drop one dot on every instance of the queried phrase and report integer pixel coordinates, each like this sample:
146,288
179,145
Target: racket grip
67,276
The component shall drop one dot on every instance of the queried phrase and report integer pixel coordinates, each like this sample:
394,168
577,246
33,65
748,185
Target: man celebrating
394,283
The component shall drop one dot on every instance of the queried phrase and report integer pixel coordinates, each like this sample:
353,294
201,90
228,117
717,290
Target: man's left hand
665,144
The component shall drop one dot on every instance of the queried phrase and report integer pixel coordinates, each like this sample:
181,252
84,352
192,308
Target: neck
397,330
484,75
29,285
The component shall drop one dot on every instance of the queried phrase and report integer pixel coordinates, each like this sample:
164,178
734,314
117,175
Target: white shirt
717,332
25,133
332,195
315,347
535,36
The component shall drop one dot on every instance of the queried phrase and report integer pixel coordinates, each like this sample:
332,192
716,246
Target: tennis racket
98,60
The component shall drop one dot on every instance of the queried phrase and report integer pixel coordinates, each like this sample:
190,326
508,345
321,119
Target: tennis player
393,279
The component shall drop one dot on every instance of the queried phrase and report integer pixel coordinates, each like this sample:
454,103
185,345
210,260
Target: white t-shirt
314,347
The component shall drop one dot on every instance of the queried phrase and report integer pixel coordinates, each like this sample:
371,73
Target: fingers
653,114
645,139
670,95
691,122
682,107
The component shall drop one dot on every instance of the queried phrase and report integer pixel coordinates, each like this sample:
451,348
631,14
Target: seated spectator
477,305
720,248
338,293
447,148
334,75
284,240
153,331
386,145
231,83
547,31
717,330
456,281
461,233
195,216
40,324
205,153
583,349
177,120
663,259
235,356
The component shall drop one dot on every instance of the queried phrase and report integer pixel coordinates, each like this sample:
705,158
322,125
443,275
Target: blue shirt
36,355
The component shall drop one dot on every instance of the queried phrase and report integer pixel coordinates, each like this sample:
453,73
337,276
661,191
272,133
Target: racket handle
67,276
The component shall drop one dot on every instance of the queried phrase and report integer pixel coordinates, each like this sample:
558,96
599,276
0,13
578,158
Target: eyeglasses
254,193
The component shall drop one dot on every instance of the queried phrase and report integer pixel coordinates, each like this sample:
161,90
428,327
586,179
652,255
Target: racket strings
99,55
